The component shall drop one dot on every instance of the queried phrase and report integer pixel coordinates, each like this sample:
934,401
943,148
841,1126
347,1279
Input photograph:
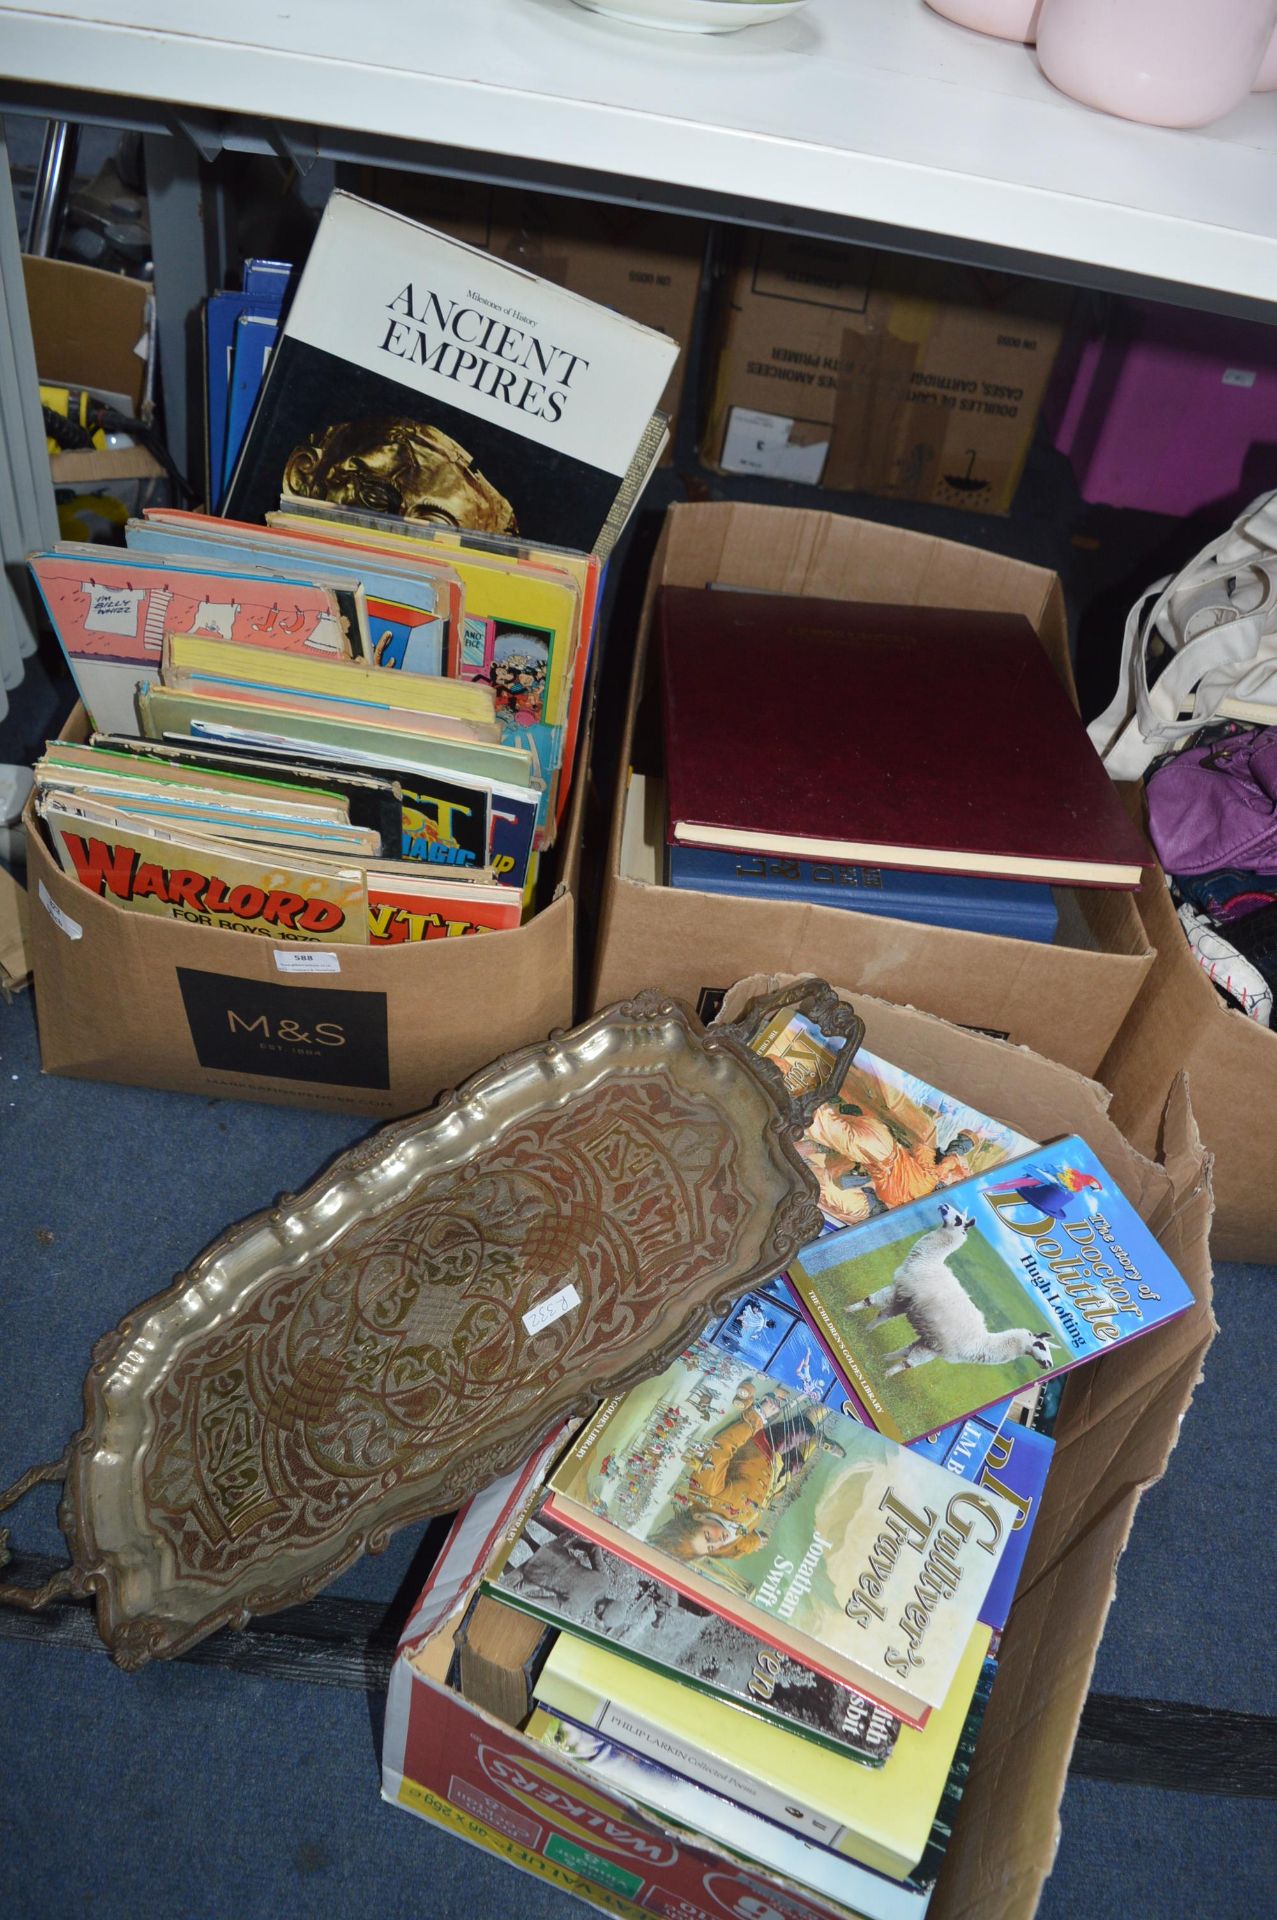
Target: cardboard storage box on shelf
646,265
1066,1000
133,997
93,329
480,1779
1179,1021
849,368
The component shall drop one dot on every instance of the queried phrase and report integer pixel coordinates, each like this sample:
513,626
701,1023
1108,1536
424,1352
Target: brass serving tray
362,1355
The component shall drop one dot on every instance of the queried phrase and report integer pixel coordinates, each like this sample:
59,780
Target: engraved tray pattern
357,1358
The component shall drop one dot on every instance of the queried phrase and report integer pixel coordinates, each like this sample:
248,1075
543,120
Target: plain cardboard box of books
848,368
460,1768
1178,1020
1065,1000
381,1030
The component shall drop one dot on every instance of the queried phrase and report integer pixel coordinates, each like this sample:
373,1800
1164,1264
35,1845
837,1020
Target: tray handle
64,1581
836,1020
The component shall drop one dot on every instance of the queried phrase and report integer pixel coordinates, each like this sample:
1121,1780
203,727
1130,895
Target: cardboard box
1178,1020
94,329
465,1771
645,265
160,1003
848,368
1065,1000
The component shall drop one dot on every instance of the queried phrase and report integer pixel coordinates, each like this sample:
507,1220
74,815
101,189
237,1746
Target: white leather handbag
1217,621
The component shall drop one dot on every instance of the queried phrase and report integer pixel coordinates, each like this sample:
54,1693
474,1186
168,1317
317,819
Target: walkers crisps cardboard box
162,1003
1178,1020
1065,1000
848,368
481,1780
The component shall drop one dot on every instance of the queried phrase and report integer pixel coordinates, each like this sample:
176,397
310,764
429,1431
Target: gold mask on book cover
397,466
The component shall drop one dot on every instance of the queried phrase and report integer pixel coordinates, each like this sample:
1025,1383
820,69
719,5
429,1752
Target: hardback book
420,904
957,1300
419,376
1017,909
568,1581
352,682
112,613
501,1653
880,1816
638,1778
890,1136
808,1529
374,740
203,881
584,569
1016,1466
408,610
370,800
919,737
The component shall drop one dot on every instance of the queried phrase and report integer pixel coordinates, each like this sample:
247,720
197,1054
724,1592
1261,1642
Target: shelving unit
872,120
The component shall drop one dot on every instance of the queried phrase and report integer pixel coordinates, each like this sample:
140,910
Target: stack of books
761,1595
362,688
914,761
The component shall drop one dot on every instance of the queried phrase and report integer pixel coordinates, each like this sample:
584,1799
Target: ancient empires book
419,376
890,1136
867,1562
569,1581
779,740
880,1816
964,1297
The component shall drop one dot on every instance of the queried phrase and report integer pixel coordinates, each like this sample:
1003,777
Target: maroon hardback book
922,737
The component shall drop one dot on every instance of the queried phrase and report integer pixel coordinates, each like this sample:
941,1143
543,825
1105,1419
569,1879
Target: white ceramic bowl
694,16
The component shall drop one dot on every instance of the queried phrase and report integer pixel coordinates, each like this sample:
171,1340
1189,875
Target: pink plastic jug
1173,63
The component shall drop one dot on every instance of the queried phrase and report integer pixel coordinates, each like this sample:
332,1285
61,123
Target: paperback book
944,1305
569,1581
419,376
637,1777
879,1816
866,1561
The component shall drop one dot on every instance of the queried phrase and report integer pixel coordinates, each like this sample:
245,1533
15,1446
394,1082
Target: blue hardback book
1020,909
942,1306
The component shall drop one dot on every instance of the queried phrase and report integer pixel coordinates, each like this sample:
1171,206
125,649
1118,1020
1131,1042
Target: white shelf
864,110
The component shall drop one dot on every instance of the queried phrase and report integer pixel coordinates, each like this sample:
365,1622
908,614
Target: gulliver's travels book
780,738
964,1297
567,1580
415,375
866,1561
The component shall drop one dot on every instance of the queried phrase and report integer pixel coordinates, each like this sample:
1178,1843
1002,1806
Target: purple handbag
1215,805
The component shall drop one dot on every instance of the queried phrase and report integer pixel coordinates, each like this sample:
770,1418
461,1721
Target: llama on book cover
419,376
945,1305
889,1137
829,1534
